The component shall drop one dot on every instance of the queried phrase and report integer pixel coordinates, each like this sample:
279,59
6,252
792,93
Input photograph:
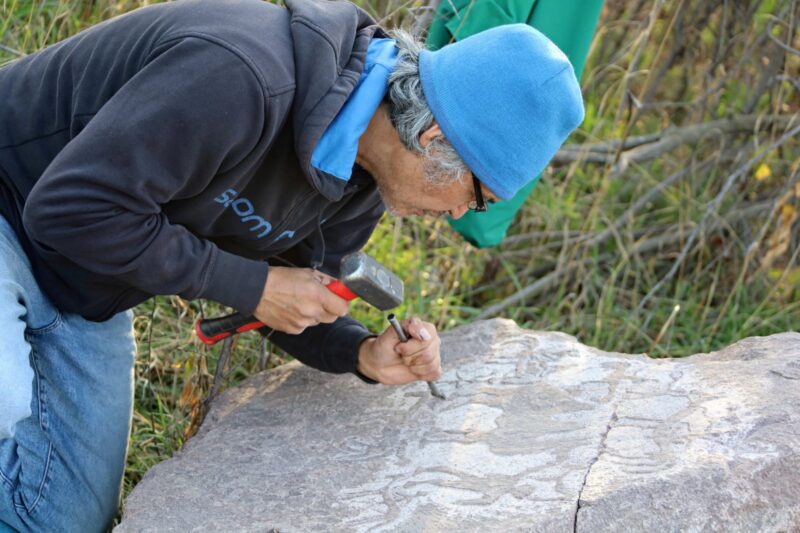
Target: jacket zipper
301,203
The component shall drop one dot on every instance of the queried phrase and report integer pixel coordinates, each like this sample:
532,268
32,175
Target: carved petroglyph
539,433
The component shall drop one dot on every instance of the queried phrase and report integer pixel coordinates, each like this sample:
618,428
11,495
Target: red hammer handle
213,330
340,289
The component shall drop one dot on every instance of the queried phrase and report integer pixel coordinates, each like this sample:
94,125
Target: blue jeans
66,388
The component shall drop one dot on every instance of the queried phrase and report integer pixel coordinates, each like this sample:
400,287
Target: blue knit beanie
505,99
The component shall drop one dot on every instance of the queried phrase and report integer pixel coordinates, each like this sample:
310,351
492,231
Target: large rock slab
539,433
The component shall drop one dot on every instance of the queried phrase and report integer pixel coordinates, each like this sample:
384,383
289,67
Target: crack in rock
600,451
781,374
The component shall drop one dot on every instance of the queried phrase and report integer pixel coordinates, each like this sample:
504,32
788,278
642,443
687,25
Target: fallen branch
647,147
539,286
611,147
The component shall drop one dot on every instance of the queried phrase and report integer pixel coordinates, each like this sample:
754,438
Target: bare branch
786,48
645,147
12,51
712,207
423,20
633,68
387,18
692,135
540,285
611,147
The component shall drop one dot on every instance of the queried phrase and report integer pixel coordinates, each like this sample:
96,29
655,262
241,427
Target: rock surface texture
538,433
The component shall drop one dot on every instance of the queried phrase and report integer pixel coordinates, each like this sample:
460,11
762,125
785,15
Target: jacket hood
330,39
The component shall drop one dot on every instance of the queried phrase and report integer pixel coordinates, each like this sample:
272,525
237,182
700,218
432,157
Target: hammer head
371,281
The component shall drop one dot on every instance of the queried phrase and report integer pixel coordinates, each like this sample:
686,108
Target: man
233,151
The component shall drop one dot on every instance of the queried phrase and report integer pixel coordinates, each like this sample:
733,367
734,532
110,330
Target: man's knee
16,384
12,411
16,374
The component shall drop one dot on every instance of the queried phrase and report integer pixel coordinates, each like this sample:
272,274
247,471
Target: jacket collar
331,40
336,151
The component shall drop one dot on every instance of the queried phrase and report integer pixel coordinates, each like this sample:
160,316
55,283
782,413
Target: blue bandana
335,152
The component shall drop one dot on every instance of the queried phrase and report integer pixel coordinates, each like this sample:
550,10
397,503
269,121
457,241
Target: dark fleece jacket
167,151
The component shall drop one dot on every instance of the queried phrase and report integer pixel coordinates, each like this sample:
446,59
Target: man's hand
296,298
391,362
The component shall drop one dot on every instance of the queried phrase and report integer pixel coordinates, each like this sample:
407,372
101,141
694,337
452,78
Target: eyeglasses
478,204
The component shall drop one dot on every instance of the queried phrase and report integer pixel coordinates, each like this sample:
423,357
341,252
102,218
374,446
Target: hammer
359,276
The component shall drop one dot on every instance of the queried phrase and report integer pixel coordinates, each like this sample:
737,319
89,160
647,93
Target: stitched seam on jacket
236,52
225,45
34,139
207,273
319,31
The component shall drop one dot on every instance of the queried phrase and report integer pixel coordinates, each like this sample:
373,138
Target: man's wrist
363,368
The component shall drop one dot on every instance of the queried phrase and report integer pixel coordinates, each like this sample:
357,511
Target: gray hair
411,115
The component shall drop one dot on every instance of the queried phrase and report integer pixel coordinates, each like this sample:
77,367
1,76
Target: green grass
723,294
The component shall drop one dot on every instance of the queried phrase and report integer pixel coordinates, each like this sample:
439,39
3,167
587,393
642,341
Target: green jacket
568,23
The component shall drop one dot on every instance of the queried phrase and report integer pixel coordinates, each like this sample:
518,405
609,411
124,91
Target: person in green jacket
570,24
